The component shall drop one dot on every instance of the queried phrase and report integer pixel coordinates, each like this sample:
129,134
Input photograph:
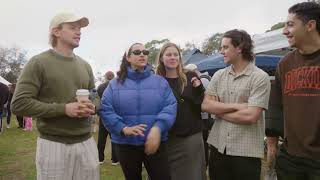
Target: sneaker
8,126
115,163
101,162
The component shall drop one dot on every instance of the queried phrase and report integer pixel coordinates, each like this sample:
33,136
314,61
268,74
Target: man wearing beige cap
46,90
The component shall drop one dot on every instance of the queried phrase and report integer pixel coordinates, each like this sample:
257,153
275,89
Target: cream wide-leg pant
58,161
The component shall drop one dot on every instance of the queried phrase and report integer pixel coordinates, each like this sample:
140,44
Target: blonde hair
161,70
52,37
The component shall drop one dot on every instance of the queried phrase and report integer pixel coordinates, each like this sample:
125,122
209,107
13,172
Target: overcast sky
114,25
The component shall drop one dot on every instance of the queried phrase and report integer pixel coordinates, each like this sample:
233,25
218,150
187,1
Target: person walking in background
4,94
27,123
138,108
103,132
19,118
208,121
296,93
237,95
185,145
20,122
11,91
47,90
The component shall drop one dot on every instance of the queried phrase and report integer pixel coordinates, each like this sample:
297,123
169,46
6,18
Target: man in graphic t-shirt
297,94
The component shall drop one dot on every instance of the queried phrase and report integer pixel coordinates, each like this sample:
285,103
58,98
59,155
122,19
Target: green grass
17,155
18,149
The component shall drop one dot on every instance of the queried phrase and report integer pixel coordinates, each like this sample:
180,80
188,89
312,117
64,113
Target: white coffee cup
82,95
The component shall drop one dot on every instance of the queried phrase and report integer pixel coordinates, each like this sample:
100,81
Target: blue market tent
268,63
211,64
193,56
269,48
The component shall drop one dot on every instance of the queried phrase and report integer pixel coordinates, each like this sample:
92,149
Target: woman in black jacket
185,144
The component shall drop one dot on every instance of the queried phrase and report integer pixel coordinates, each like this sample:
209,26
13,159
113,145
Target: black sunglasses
138,52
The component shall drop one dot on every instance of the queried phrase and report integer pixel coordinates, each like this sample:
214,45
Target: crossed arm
232,112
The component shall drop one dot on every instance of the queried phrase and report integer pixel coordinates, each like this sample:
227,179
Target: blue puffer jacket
144,98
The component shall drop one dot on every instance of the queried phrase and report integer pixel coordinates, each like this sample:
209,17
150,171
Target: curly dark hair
307,11
241,39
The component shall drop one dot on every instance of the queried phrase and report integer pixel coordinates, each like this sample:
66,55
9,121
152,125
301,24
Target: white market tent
273,42
4,81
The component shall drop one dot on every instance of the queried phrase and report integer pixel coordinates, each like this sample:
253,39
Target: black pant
131,159
207,124
8,114
225,167
20,121
211,161
102,139
290,167
1,121
205,134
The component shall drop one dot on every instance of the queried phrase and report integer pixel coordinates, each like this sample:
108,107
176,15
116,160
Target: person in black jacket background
4,94
103,132
11,91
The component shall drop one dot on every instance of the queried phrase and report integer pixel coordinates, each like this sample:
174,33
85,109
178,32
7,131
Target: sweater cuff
119,128
160,125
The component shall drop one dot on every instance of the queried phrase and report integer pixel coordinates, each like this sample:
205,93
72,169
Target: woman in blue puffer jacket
138,108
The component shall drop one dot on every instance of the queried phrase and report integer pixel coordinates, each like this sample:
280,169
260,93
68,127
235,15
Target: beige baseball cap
67,17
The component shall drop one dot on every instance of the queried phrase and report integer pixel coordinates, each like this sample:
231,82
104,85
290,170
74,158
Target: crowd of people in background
173,120
7,91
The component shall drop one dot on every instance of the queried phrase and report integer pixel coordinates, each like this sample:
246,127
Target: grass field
17,155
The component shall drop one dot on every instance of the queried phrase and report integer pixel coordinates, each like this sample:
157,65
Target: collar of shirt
247,70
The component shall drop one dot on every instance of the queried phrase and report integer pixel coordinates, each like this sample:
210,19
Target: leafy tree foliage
279,25
11,63
154,47
211,45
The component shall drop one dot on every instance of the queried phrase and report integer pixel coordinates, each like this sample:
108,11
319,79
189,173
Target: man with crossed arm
237,95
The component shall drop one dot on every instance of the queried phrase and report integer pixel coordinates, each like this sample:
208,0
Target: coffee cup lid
82,92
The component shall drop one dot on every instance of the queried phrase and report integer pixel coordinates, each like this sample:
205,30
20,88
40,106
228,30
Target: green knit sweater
48,82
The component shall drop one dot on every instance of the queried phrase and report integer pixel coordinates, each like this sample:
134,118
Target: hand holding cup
83,98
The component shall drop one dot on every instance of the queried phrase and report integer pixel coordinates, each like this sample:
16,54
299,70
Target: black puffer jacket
4,94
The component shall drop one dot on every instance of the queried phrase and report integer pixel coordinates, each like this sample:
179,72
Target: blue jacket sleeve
111,120
167,115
